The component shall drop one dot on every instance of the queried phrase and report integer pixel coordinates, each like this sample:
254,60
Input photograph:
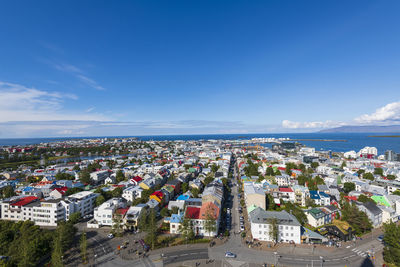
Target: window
291,228
287,234
291,234
287,227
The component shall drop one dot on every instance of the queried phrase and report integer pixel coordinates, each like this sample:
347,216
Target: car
110,236
241,217
230,255
242,228
380,238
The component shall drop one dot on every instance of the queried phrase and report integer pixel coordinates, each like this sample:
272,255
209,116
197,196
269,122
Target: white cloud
79,74
310,125
386,114
21,103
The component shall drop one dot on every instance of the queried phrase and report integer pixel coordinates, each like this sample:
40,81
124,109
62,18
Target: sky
127,68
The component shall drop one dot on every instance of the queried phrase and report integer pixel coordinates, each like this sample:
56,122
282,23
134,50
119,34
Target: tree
368,176
273,230
397,192
278,172
164,212
57,254
174,210
270,171
360,172
364,198
391,177
76,168
210,221
84,177
64,176
391,251
83,247
185,228
152,228
214,168
71,191
208,180
100,200
314,164
117,224
319,180
343,165
184,187
358,220
195,192
7,191
378,171
119,177
348,187
117,192
297,212
75,217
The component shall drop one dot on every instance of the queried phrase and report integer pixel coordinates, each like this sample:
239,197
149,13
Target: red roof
137,179
62,190
122,211
285,189
24,201
353,198
158,194
192,212
282,168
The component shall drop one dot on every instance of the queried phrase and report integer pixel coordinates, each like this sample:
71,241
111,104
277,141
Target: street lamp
275,257
322,260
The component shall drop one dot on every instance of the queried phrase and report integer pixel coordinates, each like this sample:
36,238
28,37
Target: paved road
185,255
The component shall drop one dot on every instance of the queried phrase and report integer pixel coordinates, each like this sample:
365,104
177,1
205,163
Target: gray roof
259,215
372,208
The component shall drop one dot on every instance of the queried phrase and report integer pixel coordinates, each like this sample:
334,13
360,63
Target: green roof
381,200
251,208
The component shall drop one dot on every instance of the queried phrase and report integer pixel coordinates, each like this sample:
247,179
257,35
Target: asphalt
185,255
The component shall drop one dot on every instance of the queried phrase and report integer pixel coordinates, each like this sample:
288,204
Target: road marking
184,254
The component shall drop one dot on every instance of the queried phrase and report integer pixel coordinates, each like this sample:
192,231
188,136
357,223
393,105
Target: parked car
230,255
242,228
380,238
110,236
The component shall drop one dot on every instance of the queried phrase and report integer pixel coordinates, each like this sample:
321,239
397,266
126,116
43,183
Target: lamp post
275,257
322,260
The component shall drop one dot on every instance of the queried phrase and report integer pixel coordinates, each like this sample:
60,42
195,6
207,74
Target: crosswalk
360,252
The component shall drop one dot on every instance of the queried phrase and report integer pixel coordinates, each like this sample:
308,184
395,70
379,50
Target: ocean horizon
345,141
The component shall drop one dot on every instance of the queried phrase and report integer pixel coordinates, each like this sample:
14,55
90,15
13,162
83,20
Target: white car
242,228
230,255
110,236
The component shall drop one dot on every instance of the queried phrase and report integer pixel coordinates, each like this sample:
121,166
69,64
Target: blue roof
314,194
175,218
183,197
323,194
28,188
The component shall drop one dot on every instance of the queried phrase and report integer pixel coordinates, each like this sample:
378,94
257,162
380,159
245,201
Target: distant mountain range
364,129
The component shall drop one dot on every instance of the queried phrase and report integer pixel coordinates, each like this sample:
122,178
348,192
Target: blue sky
84,68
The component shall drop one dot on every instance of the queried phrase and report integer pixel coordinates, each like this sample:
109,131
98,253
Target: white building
83,202
131,193
103,214
289,229
99,176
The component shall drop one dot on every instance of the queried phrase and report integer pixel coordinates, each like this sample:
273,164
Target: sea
336,142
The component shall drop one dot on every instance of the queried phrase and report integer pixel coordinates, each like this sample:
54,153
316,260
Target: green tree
273,230
83,247
348,187
343,165
391,177
57,254
7,191
117,225
164,212
297,212
100,200
360,172
210,225
76,168
208,180
152,229
314,164
185,187
364,198
319,181
117,192
119,177
214,168
84,177
378,171
391,250
397,192
75,217
270,171
358,220
71,191
368,176
185,228
195,192
64,176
